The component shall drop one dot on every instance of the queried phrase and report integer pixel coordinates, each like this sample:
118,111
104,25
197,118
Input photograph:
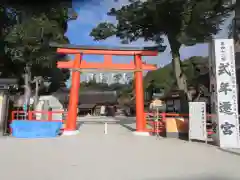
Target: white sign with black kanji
197,121
226,93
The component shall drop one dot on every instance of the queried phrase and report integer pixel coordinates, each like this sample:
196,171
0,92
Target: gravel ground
119,155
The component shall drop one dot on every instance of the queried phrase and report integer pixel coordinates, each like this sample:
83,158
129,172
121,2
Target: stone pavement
119,155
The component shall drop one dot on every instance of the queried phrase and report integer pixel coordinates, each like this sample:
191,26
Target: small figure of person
102,110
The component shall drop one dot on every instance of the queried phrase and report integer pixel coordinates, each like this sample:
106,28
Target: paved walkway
119,155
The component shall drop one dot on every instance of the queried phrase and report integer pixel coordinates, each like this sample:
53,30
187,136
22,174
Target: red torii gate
78,64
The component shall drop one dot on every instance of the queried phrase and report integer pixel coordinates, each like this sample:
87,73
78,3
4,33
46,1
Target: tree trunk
27,88
181,78
39,84
36,93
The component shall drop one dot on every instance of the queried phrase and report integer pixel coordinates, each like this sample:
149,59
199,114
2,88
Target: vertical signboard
197,121
226,92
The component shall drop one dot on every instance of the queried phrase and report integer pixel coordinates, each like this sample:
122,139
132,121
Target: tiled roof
86,106
89,97
98,97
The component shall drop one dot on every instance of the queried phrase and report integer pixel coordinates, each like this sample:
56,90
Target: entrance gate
78,65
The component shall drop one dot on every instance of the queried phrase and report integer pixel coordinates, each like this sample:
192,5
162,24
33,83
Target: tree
153,88
183,22
194,68
57,78
27,42
7,21
117,77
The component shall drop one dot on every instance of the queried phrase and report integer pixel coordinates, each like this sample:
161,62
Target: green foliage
117,77
93,85
103,31
184,21
28,29
193,67
7,21
28,41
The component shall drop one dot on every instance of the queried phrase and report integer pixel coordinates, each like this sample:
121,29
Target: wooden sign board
197,121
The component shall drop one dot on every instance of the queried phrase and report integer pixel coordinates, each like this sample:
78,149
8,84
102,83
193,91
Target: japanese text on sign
227,89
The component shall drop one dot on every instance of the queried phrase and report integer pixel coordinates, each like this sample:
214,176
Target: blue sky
90,13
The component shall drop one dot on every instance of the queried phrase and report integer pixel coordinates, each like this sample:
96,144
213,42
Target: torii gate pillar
140,118
71,124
